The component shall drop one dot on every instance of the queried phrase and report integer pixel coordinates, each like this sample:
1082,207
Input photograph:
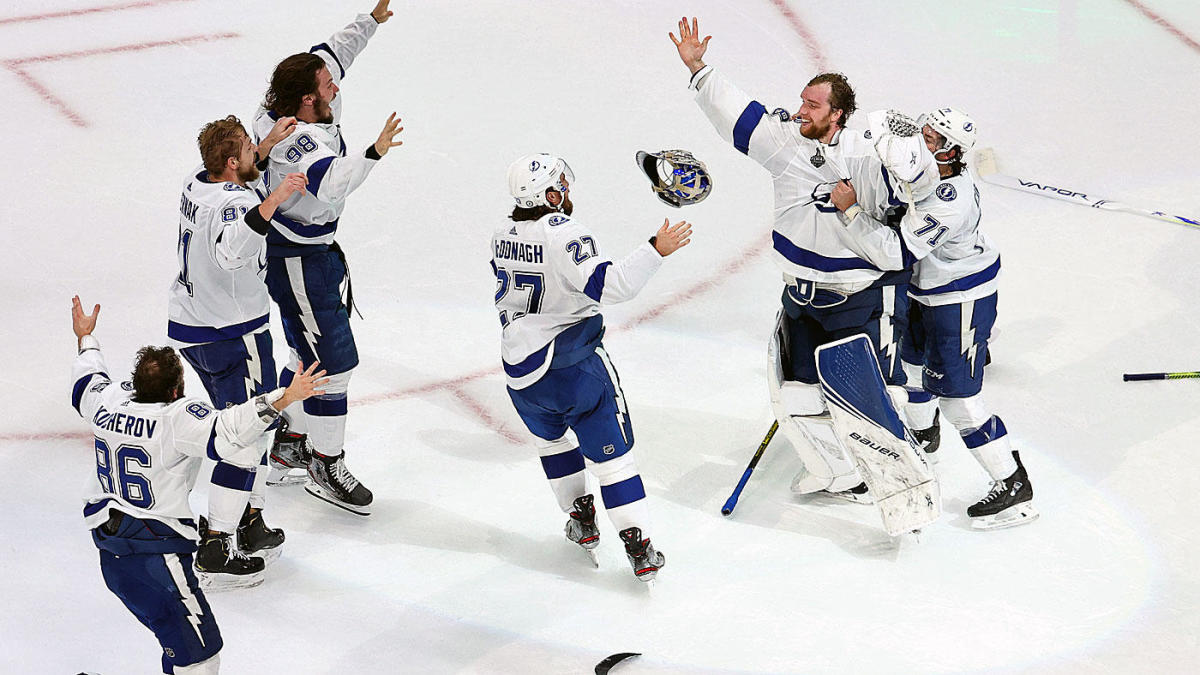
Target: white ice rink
463,568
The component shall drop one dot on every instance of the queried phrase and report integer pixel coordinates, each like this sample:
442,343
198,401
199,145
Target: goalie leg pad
869,426
800,410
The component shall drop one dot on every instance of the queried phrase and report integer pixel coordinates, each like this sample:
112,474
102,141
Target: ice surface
462,567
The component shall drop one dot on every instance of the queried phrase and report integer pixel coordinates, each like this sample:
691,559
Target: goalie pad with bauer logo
869,426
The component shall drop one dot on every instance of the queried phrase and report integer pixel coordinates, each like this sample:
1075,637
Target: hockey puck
606,665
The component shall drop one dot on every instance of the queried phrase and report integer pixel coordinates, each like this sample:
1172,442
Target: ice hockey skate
646,561
1008,503
255,538
290,455
581,527
929,439
331,481
221,566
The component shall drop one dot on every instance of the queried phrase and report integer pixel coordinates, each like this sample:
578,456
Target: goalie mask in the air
532,175
677,177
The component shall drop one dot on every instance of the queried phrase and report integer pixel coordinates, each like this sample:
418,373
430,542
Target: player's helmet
676,177
530,176
955,126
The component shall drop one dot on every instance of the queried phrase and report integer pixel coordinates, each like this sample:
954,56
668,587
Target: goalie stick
737,491
985,166
1132,377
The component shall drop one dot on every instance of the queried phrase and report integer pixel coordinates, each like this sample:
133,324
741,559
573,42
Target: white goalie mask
955,127
530,176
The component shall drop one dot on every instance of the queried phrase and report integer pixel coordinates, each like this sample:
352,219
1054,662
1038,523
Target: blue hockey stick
737,491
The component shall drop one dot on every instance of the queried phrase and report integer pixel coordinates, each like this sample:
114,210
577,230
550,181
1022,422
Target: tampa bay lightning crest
534,165
946,192
818,160
867,134
557,220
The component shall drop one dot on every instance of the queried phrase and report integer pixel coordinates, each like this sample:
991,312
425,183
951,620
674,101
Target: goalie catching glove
902,150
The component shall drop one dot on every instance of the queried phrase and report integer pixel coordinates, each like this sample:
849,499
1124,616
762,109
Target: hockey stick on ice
1131,377
985,166
737,491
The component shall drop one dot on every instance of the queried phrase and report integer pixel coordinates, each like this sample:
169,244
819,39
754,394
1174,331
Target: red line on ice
806,34
87,10
1149,14
17,67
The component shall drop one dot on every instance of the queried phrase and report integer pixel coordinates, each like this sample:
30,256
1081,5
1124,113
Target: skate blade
286,477
320,493
269,555
591,552
1013,516
216,582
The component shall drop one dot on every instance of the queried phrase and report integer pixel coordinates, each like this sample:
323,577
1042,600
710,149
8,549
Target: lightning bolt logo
887,337
295,269
185,593
968,335
254,376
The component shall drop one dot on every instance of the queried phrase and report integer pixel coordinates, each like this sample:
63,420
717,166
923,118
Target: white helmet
955,126
530,177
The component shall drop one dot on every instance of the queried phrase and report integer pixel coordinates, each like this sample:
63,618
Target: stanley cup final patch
818,160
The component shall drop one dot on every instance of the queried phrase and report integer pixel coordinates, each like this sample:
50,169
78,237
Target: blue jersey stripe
324,47
966,283
746,125
202,334
816,261
563,464
81,386
530,364
316,173
595,283
232,477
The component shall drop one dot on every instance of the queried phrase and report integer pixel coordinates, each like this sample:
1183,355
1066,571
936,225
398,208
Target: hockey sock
921,406
327,416
622,492
259,492
563,465
228,495
991,448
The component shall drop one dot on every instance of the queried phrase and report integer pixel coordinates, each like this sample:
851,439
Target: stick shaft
737,491
1183,375
986,167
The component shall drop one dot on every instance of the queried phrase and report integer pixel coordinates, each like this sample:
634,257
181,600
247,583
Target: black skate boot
581,527
290,456
254,537
1007,504
221,566
929,439
331,481
642,557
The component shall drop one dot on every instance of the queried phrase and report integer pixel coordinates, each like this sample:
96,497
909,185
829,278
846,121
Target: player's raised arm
88,375
691,49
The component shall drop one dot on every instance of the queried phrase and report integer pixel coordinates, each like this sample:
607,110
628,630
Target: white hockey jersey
962,263
219,293
148,454
809,239
551,279
318,151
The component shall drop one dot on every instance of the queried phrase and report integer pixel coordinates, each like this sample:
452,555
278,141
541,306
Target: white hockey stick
985,166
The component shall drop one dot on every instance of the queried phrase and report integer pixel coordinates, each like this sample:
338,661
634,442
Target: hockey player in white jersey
835,284
954,293
305,266
218,311
551,280
149,442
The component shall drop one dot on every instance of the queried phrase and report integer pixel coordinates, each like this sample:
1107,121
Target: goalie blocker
866,421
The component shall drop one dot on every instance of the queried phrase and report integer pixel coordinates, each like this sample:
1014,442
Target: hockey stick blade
1135,377
607,664
985,166
730,503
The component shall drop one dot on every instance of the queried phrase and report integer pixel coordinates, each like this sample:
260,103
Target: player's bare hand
282,129
307,383
691,48
292,183
381,13
387,137
81,323
843,195
671,238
